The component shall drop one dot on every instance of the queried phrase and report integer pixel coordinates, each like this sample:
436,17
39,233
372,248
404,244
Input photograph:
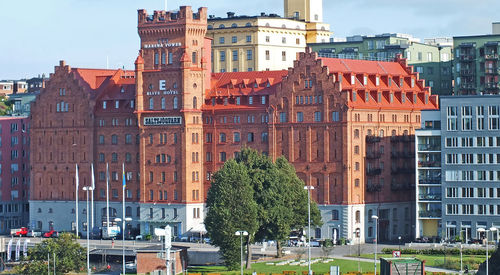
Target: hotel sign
162,121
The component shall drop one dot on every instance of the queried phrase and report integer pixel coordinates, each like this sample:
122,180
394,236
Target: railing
491,56
429,163
354,56
430,213
467,57
373,187
466,72
373,171
373,155
436,180
429,147
430,197
373,139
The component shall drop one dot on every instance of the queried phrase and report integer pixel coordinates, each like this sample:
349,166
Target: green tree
231,208
69,255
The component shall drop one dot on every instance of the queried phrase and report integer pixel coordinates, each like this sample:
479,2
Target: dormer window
104,104
413,82
390,82
367,96
256,85
391,97
353,79
365,80
377,80
414,98
122,90
225,101
379,97
268,84
403,97
401,81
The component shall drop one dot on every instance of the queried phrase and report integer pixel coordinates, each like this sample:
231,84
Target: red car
21,232
51,234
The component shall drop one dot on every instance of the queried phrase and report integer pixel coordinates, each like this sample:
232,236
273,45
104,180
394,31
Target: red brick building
14,172
346,126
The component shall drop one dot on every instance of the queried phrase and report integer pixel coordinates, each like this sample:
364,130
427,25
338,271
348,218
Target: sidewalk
427,268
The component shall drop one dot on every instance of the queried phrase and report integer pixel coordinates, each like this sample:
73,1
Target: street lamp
123,239
375,241
241,234
399,240
87,189
357,233
486,233
309,188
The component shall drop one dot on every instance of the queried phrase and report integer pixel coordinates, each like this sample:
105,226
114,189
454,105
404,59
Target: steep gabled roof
244,83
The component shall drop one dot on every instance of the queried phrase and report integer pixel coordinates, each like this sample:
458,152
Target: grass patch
318,268
451,262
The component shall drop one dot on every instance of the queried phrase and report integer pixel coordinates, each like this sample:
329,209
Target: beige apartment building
266,41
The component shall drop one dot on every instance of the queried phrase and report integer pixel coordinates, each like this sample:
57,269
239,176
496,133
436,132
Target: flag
92,175
18,249
123,176
9,250
25,248
76,179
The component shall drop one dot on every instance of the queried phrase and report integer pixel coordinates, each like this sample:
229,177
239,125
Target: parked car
19,232
32,233
51,234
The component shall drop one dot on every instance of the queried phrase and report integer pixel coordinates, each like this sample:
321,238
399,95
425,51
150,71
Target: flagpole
107,198
76,199
123,217
92,197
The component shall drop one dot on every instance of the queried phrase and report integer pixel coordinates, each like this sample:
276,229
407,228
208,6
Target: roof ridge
342,61
382,67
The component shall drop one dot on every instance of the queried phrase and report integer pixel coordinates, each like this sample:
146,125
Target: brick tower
172,76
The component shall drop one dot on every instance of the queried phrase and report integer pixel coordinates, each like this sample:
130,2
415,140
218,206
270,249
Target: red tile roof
243,83
363,66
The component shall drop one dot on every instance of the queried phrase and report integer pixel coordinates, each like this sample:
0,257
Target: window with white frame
466,118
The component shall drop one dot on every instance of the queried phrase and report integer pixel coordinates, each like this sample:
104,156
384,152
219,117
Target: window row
472,209
114,139
472,158
237,119
472,192
114,157
116,103
236,137
162,177
250,100
456,142
453,175
116,122
470,117
309,99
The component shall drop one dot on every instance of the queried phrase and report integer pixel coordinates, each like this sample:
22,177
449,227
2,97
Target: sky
36,34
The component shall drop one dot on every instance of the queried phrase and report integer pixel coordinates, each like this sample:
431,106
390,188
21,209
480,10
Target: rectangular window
282,117
480,117
236,137
493,117
249,38
235,55
234,39
268,56
318,117
466,118
222,55
300,117
452,118
283,56
249,54
221,40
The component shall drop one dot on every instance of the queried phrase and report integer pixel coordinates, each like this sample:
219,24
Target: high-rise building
431,60
476,64
266,41
345,125
459,152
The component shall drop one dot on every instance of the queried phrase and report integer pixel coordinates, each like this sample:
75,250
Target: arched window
50,210
381,133
221,26
393,133
356,133
195,103
358,216
163,103
176,103
151,103
248,24
39,210
234,25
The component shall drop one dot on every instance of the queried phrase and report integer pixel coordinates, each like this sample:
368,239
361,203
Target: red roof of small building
244,83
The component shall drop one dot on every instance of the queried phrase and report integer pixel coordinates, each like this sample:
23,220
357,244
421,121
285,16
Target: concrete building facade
432,61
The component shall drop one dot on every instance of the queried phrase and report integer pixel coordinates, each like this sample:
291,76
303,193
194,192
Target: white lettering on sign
162,85
168,92
161,121
162,45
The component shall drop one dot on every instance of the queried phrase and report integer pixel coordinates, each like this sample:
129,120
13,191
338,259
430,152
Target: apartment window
250,137
263,100
222,156
236,137
222,137
114,139
163,58
452,192
283,40
335,215
249,54
250,100
429,57
283,56
234,39
268,39
249,38
282,117
419,56
300,117
222,56
221,40
156,59
452,118
170,58
318,117
480,117
268,56
264,137
493,117
235,55
466,118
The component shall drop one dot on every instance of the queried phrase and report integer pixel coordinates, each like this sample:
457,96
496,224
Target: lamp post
309,188
357,234
87,189
375,241
399,240
241,234
123,239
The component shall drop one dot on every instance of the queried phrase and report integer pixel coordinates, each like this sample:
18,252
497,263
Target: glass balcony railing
430,180
430,197
430,213
429,147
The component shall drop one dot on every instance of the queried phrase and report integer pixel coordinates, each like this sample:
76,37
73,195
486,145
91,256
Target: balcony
429,147
429,214
430,180
373,155
372,139
373,187
373,171
491,56
428,163
491,85
467,72
429,197
467,57
468,86
493,71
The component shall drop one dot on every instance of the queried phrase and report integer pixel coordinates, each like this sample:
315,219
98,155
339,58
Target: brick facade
345,125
